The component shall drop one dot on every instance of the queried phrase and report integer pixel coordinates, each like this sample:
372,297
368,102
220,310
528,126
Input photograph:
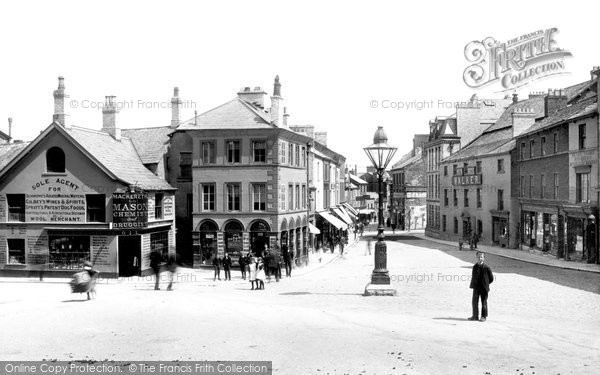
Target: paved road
587,281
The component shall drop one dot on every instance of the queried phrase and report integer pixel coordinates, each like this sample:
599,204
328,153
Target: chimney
595,72
286,117
515,98
175,107
522,119
321,137
60,98
554,101
109,118
255,97
9,130
277,104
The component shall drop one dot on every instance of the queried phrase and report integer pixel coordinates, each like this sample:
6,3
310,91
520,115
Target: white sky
333,58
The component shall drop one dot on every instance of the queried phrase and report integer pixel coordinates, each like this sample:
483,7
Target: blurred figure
288,258
172,268
252,271
217,267
368,246
260,274
242,263
227,266
319,252
155,260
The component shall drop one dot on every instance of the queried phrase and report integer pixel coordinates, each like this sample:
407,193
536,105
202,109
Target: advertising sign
130,210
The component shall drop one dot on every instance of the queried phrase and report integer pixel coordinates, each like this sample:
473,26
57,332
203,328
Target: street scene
299,188
320,314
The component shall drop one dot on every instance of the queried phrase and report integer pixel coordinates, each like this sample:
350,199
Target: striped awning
342,215
350,209
333,220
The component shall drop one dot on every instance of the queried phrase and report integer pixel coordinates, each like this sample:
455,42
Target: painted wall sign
54,207
220,244
130,210
472,179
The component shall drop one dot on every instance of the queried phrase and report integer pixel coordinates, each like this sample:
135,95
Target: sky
341,63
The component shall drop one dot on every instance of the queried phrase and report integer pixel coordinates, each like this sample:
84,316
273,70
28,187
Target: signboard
416,194
130,210
168,206
246,241
472,179
220,245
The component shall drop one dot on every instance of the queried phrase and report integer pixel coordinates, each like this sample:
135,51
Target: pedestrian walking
227,266
217,267
288,258
172,268
155,261
277,264
481,278
342,240
242,264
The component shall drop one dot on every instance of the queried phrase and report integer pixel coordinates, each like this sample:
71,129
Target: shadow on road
587,281
453,319
318,294
75,300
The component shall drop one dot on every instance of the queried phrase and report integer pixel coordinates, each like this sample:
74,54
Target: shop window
208,197
160,242
55,160
259,197
95,205
16,250
583,187
259,149
282,152
500,165
16,207
185,165
158,205
233,197
233,151
68,252
208,152
582,136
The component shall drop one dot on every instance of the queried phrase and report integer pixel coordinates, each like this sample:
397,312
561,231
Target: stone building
75,194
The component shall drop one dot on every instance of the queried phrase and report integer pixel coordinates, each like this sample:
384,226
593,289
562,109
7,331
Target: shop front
500,228
260,236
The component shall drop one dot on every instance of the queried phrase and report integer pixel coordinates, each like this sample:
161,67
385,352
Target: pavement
317,321
523,255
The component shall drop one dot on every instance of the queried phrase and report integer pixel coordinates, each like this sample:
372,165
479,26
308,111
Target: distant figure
155,260
288,258
252,264
242,263
319,252
217,267
368,246
227,266
172,267
481,279
260,274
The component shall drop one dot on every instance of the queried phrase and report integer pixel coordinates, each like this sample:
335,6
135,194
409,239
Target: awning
312,229
347,212
366,211
342,214
333,220
350,209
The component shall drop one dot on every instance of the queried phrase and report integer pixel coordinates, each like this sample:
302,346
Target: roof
9,151
408,160
579,109
119,157
487,143
151,143
357,180
535,103
235,114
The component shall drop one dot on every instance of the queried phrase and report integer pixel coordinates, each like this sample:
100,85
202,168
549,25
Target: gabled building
74,194
558,175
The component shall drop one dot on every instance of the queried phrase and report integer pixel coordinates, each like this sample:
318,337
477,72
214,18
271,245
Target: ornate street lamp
380,154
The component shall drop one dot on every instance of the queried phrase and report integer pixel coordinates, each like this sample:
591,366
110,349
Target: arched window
55,160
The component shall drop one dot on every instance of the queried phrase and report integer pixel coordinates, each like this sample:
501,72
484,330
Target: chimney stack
277,104
60,98
109,118
555,100
522,119
321,137
255,97
286,117
175,107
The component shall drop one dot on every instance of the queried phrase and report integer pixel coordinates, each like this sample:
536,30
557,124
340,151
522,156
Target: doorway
130,256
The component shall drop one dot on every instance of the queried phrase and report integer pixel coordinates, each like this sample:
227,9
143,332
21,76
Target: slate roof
235,114
151,143
487,143
119,157
9,151
536,103
408,160
573,111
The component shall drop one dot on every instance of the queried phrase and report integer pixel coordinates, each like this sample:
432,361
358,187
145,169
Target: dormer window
55,160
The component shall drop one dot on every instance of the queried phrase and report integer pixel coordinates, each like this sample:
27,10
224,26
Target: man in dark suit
481,278
227,266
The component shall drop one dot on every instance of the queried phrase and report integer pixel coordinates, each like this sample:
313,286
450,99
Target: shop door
130,256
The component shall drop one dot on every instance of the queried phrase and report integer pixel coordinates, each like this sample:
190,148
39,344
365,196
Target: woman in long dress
252,272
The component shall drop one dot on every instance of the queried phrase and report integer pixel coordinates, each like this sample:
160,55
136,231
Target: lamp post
380,154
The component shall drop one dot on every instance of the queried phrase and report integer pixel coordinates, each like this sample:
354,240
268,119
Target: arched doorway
259,236
208,242
233,238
